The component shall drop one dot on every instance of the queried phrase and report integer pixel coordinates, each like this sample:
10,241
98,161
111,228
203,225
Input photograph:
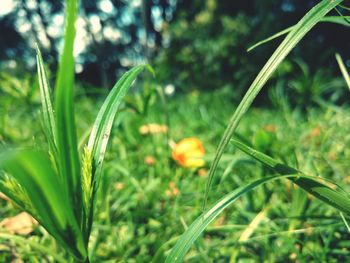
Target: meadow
140,216
196,176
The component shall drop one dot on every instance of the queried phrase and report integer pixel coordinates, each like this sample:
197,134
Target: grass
292,39
135,219
321,191
55,186
59,187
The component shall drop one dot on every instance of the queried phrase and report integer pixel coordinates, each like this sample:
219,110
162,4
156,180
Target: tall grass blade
101,130
66,132
292,39
331,196
343,69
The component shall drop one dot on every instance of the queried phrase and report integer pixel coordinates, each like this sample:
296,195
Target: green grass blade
47,110
291,40
69,166
331,196
274,36
33,171
198,226
101,130
331,19
341,20
345,222
103,124
343,69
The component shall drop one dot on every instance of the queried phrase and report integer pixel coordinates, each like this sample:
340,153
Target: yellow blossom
189,153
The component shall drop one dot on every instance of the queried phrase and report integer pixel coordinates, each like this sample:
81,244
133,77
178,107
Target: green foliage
141,218
211,45
134,217
303,88
49,184
33,171
197,227
211,39
324,193
297,33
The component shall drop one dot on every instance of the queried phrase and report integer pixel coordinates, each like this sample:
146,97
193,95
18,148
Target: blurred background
191,44
198,50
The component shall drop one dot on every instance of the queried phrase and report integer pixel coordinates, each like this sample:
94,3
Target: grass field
149,176
147,200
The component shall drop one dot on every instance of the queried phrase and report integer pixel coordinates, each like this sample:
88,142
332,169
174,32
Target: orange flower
189,152
173,191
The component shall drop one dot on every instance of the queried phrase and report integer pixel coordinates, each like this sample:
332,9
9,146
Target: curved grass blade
333,197
341,20
274,36
103,124
291,40
47,110
343,69
198,226
330,19
33,171
69,166
100,133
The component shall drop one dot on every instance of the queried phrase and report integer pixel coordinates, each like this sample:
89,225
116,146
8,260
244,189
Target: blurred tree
205,44
111,34
195,44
